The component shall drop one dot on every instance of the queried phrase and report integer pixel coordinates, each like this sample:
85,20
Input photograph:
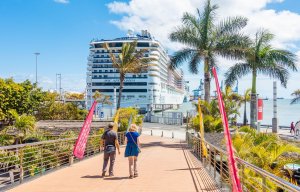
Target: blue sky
61,32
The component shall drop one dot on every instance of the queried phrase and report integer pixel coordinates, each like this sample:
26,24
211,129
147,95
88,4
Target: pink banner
260,110
84,133
236,185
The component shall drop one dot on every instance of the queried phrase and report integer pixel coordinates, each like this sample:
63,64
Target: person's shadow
115,178
105,178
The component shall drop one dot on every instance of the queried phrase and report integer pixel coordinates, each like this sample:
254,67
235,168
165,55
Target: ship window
106,71
142,44
102,51
100,71
111,71
134,76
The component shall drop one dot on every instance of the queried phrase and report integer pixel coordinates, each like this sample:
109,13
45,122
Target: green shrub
124,117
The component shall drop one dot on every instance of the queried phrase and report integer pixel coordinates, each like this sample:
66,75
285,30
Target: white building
157,85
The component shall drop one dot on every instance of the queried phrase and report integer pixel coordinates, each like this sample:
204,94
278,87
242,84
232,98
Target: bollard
162,133
151,133
172,135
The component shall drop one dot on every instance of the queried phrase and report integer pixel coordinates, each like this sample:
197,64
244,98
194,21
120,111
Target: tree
101,98
204,40
23,97
128,61
296,95
262,58
246,98
74,96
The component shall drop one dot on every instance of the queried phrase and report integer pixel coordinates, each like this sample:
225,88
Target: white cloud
62,1
160,17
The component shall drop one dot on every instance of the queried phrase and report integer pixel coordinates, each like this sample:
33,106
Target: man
110,140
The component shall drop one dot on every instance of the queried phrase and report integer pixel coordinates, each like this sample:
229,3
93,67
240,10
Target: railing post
200,148
209,159
221,169
215,164
21,156
151,133
71,160
41,160
172,135
162,133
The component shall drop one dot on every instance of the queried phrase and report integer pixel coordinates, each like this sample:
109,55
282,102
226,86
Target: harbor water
286,113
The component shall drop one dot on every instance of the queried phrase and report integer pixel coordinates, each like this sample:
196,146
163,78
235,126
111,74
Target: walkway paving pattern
164,165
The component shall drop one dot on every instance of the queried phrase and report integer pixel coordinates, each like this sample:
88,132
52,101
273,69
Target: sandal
136,175
131,177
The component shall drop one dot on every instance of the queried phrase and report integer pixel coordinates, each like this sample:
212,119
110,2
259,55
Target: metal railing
252,177
19,162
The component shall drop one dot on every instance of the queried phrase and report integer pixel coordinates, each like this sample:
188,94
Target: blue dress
131,147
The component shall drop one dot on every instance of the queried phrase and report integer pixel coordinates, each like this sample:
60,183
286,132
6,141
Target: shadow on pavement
115,178
92,176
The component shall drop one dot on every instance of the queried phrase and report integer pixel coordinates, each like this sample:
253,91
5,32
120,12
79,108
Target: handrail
18,162
221,167
275,178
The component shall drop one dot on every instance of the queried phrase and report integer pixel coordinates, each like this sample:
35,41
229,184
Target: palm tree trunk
245,113
122,77
253,105
206,80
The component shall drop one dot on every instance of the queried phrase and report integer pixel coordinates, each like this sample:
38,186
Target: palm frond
235,72
231,25
296,95
275,71
263,38
232,46
186,35
283,58
207,21
194,63
181,56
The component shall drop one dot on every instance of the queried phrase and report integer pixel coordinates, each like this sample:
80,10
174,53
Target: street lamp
36,56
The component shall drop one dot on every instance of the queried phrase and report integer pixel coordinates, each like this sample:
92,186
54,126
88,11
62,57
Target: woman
132,149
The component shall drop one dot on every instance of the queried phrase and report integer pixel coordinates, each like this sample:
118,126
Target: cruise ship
157,85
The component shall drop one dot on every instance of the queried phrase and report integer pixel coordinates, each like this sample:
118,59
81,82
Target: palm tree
245,99
204,40
262,58
128,61
296,95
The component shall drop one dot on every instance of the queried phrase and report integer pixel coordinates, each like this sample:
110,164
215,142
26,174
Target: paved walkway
164,165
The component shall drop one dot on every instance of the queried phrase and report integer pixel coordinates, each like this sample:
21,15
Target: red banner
259,109
84,133
236,185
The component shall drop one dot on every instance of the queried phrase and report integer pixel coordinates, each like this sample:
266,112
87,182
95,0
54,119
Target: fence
19,162
168,118
252,178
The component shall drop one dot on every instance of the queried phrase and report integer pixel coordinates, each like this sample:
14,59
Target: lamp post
36,56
